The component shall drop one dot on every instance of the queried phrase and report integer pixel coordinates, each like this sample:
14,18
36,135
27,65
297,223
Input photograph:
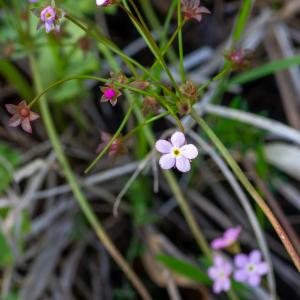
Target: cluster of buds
189,92
49,17
150,106
111,91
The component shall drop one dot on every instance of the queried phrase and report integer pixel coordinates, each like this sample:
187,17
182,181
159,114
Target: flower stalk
78,194
250,189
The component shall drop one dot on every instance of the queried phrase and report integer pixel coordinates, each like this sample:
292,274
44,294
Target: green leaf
184,268
242,19
9,158
6,256
12,296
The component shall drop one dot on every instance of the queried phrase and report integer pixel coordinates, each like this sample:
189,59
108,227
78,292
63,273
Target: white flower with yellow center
176,153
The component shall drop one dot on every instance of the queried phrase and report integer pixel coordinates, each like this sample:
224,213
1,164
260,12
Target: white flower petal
178,139
189,151
101,2
183,164
163,146
167,161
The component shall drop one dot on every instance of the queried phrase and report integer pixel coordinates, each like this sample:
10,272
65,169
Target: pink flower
250,268
220,274
176,153
110,94
117,147
49,17
229,237
22,115
193,10
104,2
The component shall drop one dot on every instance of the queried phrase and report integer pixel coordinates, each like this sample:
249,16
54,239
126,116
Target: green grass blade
242,20
184,268
265,70
12,75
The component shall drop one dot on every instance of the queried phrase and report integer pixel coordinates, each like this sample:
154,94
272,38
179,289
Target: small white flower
176,153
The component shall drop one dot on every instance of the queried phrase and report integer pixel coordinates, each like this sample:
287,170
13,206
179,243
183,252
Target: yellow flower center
176,152
48,15
251,268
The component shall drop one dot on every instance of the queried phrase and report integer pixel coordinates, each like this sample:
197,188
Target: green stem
155,24
181,200
180,44
115,136
59,82
166,48
250,189
78,194
188,214
146,34
102,39
183,204
140,126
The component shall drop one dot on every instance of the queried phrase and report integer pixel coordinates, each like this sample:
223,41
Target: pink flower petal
103,99
262,268
198,17
26,125
255,256
14,121
183,164
163,146
240,275
178,139
33,116
254,280
227,268
12,109
218,243
233,233
219,260
226,285
167,161
189,151
113,102
204,10
217,287
241,260
23,103
213,273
